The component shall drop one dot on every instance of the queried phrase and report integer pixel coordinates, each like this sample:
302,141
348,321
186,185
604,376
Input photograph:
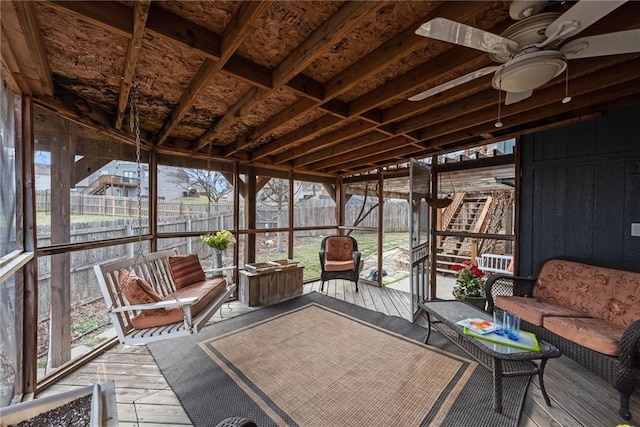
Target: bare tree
211,183
364,210
276,193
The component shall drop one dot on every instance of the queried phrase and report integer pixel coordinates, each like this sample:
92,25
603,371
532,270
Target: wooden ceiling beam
70,106
10,65
547,98
480,101
231,39
578,106
376,60
294,110
350,15
140,13
243,104
454,62
326,140
111,16
399,46
371,162
357,143
26,13
294,136
321,39
336,163
408,108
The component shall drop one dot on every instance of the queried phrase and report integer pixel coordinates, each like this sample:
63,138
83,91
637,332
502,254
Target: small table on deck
502,360
262,289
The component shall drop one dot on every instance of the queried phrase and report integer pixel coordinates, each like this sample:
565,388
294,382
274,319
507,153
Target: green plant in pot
219,241
469,284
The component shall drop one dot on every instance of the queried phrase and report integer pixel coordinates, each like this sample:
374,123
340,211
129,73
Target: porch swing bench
185,299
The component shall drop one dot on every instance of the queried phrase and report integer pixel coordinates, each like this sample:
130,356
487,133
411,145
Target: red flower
477,272
457,267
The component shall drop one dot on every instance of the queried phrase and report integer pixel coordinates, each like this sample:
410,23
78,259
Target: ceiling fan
529,50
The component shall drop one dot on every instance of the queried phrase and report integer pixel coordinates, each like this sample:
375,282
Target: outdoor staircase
99,186
469,212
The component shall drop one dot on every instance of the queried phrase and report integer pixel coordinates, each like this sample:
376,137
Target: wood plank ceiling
314,86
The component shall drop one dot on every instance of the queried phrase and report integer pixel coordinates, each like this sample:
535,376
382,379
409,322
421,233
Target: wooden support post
380,226
152,200
340,202
474,251
291,219
236,214
62,160
432,229
250,206
29,296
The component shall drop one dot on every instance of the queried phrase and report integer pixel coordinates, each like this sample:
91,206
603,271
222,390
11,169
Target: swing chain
134,113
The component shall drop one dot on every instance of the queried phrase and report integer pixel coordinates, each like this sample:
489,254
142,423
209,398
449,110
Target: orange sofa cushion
595,334
533,311
604,293
339,249
206,291
186,270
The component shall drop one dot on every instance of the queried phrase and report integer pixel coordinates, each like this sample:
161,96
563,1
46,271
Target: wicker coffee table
502,360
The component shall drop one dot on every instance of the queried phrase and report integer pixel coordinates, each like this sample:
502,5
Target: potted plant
219,241
469,284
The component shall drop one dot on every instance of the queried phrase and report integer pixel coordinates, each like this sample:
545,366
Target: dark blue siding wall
580,192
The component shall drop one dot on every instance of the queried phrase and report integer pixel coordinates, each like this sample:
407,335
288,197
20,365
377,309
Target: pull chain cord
566,98
498,124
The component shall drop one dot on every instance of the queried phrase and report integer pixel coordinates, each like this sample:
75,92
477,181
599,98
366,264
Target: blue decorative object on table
498,321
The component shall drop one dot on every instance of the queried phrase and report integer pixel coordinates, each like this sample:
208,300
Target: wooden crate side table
261,289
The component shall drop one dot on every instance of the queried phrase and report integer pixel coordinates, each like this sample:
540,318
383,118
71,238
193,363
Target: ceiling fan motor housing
526,33
529,71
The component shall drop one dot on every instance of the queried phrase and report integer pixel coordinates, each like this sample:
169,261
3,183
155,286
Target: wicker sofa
592,314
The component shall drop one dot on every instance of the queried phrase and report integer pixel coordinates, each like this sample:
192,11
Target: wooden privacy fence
396,213
83,283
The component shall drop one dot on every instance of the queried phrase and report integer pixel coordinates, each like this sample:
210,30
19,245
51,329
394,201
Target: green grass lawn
306,249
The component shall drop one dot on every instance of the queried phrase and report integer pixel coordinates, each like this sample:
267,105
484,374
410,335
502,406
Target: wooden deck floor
144,398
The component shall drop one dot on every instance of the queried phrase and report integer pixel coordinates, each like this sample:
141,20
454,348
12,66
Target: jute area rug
317,361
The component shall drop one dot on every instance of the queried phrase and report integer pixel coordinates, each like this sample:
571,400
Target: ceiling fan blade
513,97
453,83
603,44
454,32
579,17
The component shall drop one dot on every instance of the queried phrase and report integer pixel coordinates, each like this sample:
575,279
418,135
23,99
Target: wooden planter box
260,289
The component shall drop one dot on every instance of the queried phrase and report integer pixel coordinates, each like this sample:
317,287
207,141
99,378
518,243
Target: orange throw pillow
137,291
186,270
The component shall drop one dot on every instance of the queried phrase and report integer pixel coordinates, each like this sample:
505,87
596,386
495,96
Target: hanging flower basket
438,203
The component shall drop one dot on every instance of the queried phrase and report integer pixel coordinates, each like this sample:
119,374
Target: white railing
494,263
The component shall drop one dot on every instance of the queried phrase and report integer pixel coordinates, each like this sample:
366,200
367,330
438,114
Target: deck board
144,398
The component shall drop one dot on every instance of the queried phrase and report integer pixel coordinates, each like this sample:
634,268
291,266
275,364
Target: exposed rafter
233,36
315,87
140,13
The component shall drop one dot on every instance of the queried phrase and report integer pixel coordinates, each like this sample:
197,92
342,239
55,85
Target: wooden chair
339,259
